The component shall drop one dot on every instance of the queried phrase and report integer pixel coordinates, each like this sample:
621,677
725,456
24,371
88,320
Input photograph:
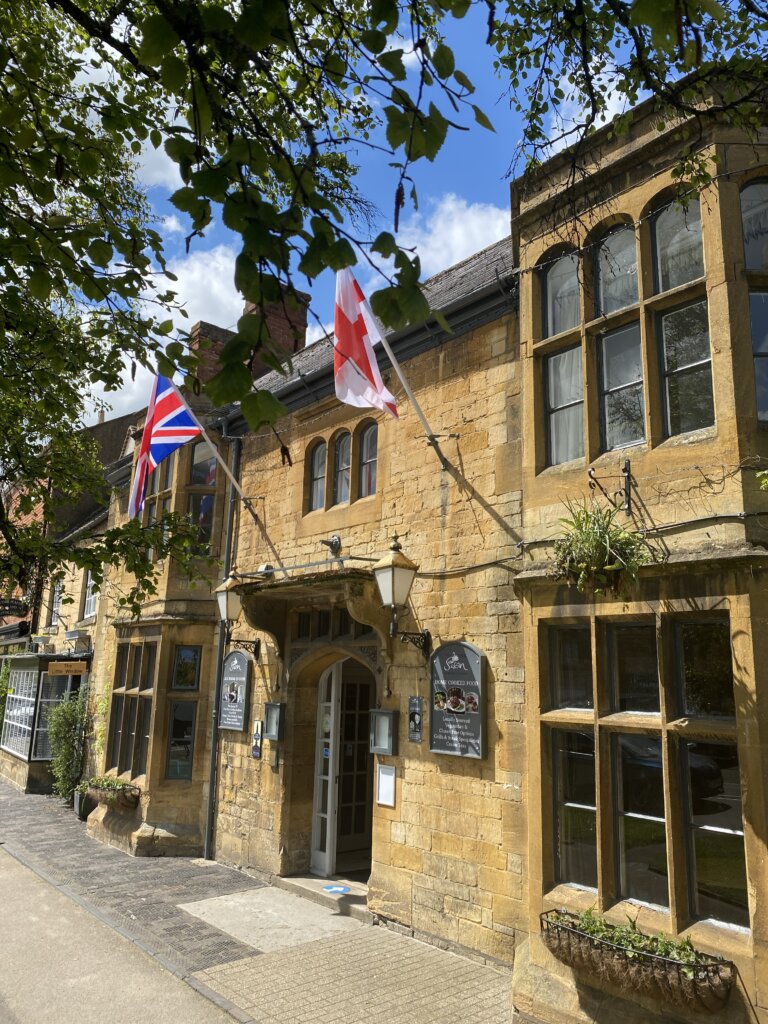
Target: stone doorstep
352,904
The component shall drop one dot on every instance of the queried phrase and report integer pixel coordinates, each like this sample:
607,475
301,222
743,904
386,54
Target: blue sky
463,205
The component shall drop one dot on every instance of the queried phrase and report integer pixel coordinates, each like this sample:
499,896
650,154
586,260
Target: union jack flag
168,426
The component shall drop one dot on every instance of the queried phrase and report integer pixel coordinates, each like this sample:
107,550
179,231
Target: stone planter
704,985
126,797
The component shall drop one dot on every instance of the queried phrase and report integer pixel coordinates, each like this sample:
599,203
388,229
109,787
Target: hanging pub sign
234,691
457,701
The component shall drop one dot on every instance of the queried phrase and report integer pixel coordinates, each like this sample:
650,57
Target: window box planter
698,982
114,793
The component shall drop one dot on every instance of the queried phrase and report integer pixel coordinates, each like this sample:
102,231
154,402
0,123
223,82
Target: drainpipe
220,652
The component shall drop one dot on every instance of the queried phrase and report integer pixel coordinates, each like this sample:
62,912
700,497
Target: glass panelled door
353,834
341,829
323,860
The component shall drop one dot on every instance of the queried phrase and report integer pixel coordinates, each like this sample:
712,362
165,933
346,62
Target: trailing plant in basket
631,938
597,552
109,783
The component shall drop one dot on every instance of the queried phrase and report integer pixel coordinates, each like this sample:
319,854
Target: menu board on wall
234,691
457,701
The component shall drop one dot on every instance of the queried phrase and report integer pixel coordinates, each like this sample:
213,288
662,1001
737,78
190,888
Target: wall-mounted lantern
394,575
384,731
274,721
230,606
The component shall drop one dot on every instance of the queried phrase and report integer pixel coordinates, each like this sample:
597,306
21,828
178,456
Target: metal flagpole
431,437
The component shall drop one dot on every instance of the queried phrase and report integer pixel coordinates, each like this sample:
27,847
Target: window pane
679,254
317,488
754,225
640,798
121,666
621,360
643,860
564,378
690,405
201,515
705,648
368,457
575,826
641,790
561,288
566,435
203,472
129,732
721,877
148,667
186,670
146,716
624,417
686,336
571,655
758,315
575,767
135,669
617,270
636,668
165,469
341,469
115,728
714,785
180,741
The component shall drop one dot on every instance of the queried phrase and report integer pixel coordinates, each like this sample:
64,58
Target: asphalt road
60,965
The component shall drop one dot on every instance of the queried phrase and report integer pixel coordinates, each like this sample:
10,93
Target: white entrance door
323,861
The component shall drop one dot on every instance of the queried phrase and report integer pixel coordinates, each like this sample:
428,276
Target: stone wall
448,859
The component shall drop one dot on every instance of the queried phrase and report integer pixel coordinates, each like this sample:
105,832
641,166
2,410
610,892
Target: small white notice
385,785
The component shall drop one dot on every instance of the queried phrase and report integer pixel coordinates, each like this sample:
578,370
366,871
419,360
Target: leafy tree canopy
258,102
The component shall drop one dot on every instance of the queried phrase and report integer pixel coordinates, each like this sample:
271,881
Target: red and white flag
355,370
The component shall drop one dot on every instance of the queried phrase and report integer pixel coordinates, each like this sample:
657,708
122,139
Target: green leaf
481,119
443,60
40,284
158,38
261,407
392,62
374,40
230,384
100,252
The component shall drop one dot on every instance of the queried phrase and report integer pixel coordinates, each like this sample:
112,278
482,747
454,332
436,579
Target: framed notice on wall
234,691
457,711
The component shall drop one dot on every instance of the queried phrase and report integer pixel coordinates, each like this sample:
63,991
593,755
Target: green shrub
630,937
66,724
5,676
109,782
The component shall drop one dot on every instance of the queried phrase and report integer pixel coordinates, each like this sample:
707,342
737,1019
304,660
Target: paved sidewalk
210,925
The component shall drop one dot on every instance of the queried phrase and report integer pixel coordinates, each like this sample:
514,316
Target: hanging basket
703,985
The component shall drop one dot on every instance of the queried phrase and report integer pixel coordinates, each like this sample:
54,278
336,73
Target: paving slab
270,919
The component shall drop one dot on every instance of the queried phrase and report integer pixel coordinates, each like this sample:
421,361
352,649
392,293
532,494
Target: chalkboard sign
457,701
234,691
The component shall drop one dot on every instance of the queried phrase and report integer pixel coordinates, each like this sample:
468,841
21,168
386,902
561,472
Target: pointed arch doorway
343,792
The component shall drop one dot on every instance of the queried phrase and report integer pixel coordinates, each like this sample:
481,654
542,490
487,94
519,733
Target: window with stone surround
644,349
639,731
131,707
157,502
341,469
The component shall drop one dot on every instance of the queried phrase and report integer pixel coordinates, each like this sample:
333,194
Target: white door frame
323,861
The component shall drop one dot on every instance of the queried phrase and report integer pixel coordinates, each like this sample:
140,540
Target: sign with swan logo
234,691
457,700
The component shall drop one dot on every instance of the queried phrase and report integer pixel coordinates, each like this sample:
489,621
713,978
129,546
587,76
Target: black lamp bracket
252,646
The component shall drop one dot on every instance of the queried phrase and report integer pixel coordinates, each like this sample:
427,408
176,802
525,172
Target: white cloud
451,230
571,113
155,167
206,287
316,331
171,225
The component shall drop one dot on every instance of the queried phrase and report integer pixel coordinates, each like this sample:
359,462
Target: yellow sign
67,668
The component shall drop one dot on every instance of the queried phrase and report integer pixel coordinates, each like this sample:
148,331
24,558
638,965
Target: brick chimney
287,328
